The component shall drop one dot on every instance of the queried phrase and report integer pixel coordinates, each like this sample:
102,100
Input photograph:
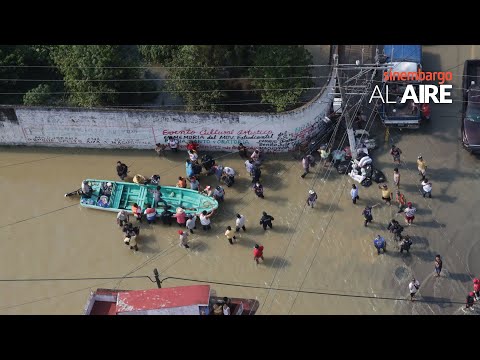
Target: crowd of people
196,164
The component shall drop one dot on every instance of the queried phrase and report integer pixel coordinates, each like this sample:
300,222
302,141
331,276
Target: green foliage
158,54
291,55
85,66
193,62
37,96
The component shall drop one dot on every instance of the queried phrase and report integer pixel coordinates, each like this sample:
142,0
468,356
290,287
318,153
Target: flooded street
325,252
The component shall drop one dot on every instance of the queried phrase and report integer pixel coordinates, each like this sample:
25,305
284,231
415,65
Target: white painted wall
106,128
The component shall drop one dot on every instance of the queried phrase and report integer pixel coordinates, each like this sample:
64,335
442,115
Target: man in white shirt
122,218
413,287
205,219
427,188
249,166
240,223
173,144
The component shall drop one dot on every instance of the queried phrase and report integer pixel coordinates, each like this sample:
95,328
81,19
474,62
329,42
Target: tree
93,74
293,60
40,95
158,54
197,62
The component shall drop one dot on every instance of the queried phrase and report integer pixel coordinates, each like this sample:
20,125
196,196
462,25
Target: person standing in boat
157,196
122,170
122,218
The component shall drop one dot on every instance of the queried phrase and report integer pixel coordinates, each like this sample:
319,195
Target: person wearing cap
386,194
312,198
367,215
426,188
395,152
240,223
219,193
401,201
183,239
230,235
354,193
205,219
258,253
190,224
181,217
194,183
137,212
413,287
207,191
192,154
421,166
107,188
122,218
476,288
470,300
258,188
266,220
380,243
409,213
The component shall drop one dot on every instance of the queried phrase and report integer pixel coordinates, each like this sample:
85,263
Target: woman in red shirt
258,253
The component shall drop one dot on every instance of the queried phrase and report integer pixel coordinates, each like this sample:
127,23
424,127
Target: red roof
164,298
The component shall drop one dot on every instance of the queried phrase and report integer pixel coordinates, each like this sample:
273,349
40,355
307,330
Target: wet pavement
324,251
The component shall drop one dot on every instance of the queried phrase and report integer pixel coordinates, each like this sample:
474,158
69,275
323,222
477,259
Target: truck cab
471,106
402,59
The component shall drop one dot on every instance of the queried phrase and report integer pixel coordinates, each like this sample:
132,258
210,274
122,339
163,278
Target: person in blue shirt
189,169
354,193
380,243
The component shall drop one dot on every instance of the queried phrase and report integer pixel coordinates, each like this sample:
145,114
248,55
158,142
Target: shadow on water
276,262
198,245
245,242
462,277
441,302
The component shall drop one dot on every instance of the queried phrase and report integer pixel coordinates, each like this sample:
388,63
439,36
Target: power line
168,67
77,279
170,79
162,91
316,292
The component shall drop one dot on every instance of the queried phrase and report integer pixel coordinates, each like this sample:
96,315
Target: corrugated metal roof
163,298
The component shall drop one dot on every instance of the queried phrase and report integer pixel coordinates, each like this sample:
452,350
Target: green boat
124,195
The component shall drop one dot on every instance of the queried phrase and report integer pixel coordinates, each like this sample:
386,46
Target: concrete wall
107,128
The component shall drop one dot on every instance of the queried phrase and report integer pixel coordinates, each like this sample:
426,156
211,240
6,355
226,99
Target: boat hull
125,194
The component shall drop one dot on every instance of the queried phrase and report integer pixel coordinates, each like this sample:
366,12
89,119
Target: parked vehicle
402,59
471,106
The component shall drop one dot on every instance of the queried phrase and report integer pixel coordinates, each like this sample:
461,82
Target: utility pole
157,279
345,114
